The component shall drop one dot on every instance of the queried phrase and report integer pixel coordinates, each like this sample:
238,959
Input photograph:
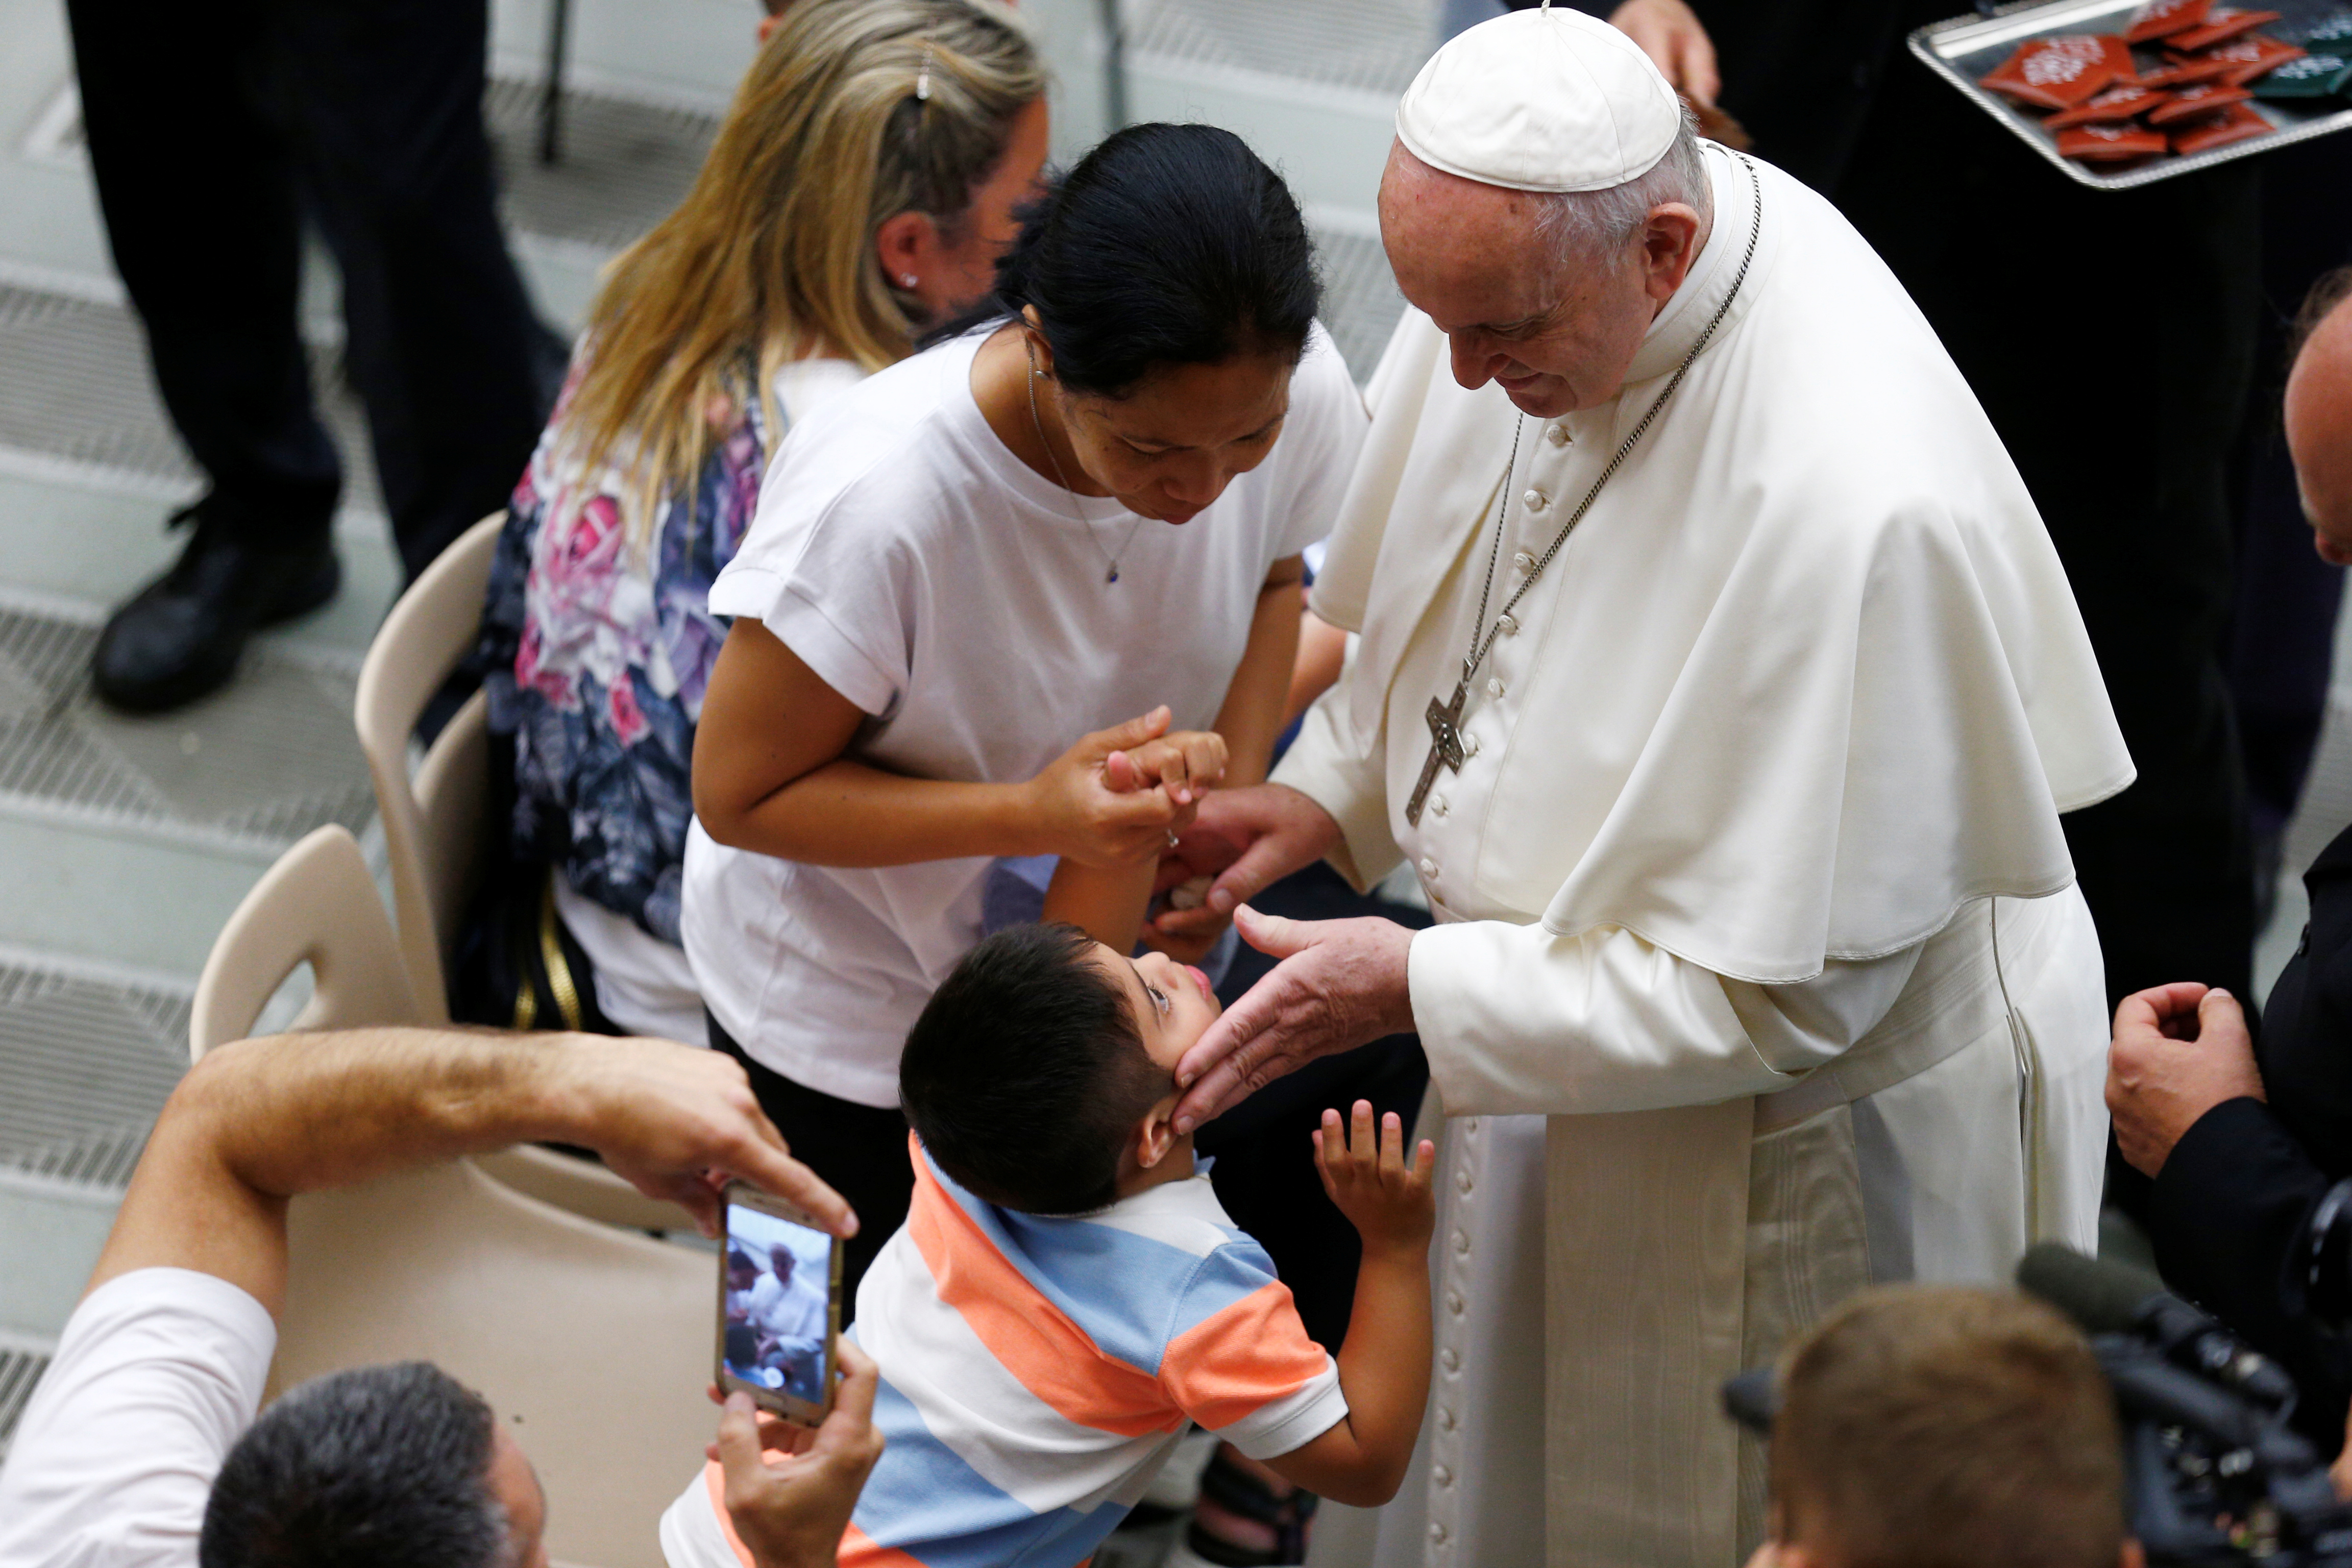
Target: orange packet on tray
2122,143
2062,71
2105,109
2235,123
2187,71
2256,53
2159,17
2194,102
2220,25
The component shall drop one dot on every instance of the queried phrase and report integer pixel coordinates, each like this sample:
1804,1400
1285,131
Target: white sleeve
1325,766
157,1374
1321,440
1516,1019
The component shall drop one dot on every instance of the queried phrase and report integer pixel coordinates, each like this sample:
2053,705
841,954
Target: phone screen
776,1303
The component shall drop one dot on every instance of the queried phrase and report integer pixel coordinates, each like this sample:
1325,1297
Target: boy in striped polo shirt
1066,1292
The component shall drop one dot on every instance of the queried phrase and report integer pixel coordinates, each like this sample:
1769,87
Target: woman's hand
1081,817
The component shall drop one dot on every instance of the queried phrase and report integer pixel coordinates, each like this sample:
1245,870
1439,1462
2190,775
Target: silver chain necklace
1444,719
1069,489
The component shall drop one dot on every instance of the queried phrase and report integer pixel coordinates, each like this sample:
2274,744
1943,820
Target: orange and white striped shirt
1035,1372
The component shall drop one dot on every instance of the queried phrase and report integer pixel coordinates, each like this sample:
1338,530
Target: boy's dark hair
380,1466
1026,1075
1167,245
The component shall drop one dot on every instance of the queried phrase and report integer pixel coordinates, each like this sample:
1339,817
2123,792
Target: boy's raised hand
1188,762
1387,1202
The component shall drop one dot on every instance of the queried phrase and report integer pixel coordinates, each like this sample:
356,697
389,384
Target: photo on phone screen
775,1304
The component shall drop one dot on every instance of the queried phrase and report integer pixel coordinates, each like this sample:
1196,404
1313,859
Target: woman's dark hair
380,1466
1167,245
1026,1075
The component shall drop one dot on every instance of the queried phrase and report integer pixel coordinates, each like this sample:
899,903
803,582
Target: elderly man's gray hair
1584,224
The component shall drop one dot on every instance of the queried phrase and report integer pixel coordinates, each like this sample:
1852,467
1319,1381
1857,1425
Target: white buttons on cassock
1462,1242
1437,805
1428,868
1557,434
1462,1179
1450,1359
1507,625
1496,687
1523,562
1437,1533
1536,500
1454,1303
1469,745
1445,1417
1440,1475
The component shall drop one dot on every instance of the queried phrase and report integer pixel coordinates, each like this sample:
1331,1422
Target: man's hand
1384,1198
1246,838
1676,44
1341,985
790,1490
2180,1050
667,1117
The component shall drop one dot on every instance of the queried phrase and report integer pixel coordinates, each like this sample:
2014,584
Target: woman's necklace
1070,489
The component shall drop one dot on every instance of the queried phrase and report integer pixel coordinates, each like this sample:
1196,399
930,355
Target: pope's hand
2180,1050
1341,985
1676,43
1247,838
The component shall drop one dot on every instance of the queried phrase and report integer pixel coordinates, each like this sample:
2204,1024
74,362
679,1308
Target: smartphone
779,1306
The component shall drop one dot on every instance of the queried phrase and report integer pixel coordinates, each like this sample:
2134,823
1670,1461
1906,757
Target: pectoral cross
1444,747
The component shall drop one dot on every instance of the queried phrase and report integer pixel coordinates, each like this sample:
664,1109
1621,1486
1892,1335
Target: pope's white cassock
1760,974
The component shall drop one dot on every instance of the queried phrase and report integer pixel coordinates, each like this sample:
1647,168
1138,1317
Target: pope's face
1557,336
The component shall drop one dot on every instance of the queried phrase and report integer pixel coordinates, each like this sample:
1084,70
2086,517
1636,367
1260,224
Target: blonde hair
854,111
1948,1427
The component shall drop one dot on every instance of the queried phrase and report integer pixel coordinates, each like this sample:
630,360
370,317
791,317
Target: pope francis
1719,679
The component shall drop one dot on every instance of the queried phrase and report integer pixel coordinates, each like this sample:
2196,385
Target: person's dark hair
1168,245
1025,1074
381,1466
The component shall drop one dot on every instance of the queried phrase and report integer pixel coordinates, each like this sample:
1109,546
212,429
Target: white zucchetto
1549,99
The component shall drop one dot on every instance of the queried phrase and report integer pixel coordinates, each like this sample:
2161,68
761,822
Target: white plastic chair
434,829
593,1344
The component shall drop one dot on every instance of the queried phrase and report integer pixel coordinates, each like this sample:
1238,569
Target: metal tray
1966,47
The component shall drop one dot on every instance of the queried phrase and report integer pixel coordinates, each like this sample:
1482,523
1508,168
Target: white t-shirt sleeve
157,1374
1326,434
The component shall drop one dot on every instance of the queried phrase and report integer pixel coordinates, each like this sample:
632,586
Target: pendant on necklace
1114,575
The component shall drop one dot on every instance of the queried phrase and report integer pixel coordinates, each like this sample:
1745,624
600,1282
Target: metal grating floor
626,163
1377,46
74,386
252,767
90,1064
20,1371
1361,302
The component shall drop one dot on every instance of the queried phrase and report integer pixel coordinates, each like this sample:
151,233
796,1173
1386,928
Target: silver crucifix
1444,747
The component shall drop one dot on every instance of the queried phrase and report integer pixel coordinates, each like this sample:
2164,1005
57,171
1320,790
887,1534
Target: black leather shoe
182,636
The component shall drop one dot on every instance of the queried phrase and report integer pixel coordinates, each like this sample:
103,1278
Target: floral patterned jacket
595,654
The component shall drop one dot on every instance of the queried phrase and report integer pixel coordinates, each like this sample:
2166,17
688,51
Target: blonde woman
861,187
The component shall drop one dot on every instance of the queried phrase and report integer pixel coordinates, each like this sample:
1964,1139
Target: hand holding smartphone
779,1306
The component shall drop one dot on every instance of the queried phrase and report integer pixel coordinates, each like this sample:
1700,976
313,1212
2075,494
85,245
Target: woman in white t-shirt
862,185
971,581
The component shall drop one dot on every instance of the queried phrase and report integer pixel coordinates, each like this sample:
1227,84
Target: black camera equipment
2212,1472
2329,1283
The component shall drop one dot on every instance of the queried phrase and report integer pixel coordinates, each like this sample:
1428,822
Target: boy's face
1172,1002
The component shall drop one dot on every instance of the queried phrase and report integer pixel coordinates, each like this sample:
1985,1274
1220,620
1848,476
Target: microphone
2104,1296
2100,1296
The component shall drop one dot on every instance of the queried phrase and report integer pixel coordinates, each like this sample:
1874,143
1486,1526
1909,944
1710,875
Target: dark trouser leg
2109,336
1265,1174
197,184
859,1150
441,330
